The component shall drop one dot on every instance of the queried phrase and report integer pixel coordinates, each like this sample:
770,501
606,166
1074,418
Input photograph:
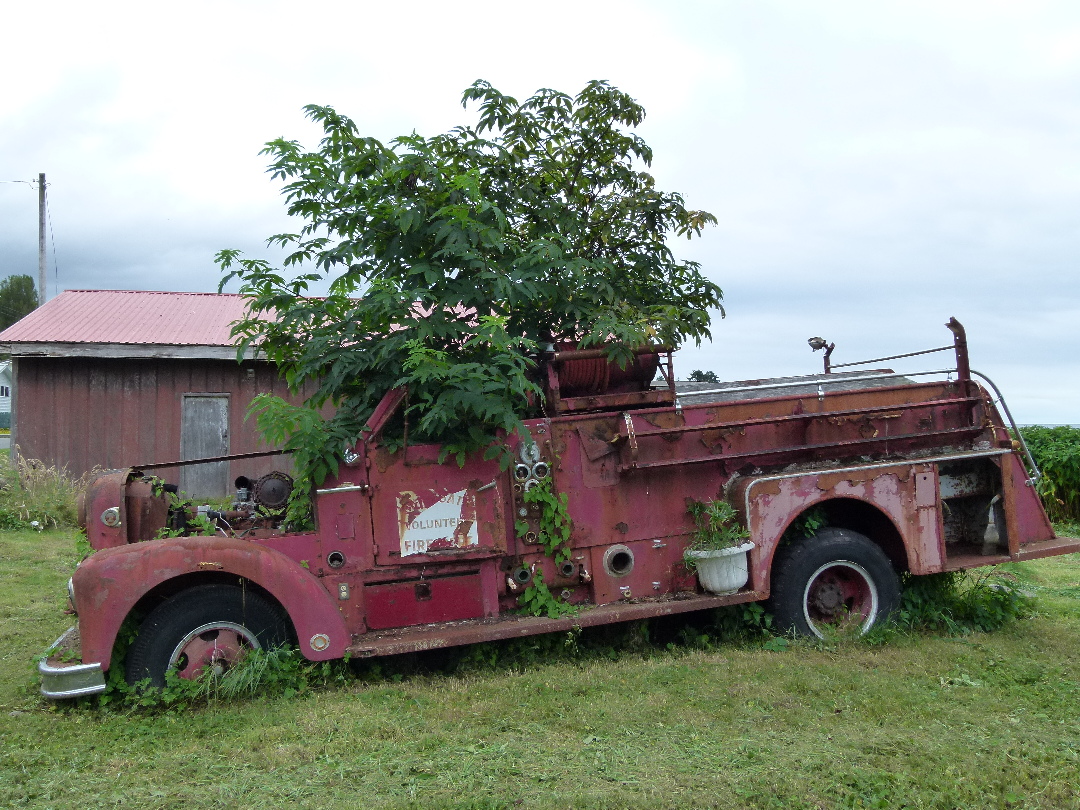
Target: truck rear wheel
205,626
838,579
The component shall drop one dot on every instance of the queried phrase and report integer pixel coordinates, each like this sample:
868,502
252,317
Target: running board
471,631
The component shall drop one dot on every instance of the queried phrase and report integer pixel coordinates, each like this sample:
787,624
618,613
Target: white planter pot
723,571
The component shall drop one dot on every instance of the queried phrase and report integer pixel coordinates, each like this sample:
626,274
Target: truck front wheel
206,626
837,579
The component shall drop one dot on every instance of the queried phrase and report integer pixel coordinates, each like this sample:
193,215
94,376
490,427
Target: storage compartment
424,601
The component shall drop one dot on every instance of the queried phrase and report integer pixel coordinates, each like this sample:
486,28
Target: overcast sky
875,167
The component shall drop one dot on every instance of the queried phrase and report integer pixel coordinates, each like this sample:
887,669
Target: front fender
110,583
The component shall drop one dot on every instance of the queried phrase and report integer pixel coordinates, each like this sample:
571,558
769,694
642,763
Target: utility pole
41,239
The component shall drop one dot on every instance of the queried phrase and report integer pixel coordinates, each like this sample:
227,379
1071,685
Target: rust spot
622,528
597,438
768,488
716,438
828,481
666,419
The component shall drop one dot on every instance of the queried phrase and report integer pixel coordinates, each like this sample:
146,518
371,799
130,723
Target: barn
120,378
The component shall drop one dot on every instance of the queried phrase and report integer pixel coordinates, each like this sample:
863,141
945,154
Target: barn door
204,433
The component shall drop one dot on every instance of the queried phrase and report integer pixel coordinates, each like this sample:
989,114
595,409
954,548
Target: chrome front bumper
64,680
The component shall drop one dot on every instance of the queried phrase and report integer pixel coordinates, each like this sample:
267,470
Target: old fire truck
912,473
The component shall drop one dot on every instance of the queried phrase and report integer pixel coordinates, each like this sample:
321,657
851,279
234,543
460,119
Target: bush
1056,451
36,496
960,602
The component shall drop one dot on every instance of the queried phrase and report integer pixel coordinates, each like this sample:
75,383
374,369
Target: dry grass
36,495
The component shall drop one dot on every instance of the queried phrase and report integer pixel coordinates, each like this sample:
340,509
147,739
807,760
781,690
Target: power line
52,237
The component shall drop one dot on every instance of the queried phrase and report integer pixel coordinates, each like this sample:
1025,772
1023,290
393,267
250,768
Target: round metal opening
523,576
619,560
522,472
568,569
335,559
540,469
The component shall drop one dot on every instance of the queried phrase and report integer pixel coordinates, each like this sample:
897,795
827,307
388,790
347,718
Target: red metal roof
139,317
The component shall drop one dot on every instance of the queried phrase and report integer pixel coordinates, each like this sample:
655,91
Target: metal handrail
816,378
1034,479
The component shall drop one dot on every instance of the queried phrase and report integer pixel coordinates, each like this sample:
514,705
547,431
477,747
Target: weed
34,495
279,671
555,528
1067,528
960,602
538,600
555,524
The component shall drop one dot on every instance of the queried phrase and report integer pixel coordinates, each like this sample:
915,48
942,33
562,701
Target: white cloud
876,167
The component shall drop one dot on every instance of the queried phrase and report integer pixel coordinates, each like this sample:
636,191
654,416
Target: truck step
1028,551
452,634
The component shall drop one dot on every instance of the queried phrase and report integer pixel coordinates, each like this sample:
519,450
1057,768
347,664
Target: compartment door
424,513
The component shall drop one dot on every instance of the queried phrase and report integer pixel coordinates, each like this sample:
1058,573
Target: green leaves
555,524
1057,452
716,525
538,600
451,258
18,298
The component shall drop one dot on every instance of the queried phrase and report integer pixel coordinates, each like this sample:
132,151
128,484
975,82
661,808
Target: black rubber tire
828,580
241,611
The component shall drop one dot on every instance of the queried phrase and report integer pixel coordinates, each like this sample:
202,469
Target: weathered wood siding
114,413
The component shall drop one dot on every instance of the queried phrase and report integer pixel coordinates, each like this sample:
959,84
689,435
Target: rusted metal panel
107,493
145,514
109,583
657,569
343,517
773,503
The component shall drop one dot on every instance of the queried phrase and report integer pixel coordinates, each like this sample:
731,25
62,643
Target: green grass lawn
982,720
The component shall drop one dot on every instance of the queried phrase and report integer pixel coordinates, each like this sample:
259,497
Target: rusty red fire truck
914,473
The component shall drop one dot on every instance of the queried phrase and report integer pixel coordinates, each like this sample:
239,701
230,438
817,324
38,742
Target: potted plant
718,547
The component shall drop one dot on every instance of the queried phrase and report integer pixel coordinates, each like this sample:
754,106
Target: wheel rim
840,594
218,645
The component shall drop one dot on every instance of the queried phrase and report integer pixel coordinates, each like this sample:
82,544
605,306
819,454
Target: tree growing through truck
453,259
